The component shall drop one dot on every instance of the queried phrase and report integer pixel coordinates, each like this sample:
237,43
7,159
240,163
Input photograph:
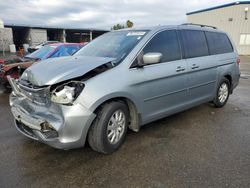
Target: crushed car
15,66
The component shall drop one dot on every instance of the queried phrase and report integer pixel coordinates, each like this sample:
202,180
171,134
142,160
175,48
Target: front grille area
26,130
39,95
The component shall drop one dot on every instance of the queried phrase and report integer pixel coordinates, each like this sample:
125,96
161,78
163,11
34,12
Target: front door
164,87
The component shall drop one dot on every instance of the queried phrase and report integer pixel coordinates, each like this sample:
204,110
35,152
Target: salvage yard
201,147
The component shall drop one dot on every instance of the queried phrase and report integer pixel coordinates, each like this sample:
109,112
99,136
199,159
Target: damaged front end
67,93
44,105
26,100
60,124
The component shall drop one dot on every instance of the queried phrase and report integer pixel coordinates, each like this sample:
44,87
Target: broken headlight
67,93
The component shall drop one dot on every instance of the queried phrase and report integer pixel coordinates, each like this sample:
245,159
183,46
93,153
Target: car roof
182,26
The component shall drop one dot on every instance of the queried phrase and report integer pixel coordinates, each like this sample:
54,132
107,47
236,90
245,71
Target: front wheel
109,129
222,93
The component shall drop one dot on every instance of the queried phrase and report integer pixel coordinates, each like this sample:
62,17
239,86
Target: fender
110,96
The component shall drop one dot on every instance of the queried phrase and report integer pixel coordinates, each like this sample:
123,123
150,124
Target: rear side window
218,43
165,42
194,43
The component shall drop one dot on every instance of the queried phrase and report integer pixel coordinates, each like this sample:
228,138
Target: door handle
194,66
179,69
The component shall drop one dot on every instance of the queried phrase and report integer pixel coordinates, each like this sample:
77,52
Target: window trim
209,50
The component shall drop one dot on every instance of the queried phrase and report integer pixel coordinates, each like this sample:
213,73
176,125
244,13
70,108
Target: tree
128,24
117,27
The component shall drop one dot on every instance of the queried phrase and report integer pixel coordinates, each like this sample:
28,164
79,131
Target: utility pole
91,36
2,34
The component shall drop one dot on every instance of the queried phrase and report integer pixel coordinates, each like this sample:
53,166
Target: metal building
6,37
19,34
234,18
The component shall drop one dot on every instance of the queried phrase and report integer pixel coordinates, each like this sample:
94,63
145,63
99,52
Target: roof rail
201,25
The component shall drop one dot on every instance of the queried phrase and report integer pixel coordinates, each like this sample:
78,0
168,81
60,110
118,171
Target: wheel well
134,121
230,81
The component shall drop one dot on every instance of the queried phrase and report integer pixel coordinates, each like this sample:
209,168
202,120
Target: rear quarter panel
228,66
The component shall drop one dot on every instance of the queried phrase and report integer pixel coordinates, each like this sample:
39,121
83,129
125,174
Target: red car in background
15,67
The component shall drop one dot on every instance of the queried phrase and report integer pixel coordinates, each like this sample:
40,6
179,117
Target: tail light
238,61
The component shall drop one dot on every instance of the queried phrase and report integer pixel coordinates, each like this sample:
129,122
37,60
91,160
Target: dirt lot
201,147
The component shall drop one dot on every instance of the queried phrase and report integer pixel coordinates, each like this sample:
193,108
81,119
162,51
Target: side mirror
152,58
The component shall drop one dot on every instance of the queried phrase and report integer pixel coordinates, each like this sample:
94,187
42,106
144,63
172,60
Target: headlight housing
67,93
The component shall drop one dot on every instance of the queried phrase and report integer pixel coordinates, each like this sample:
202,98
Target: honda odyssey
122,80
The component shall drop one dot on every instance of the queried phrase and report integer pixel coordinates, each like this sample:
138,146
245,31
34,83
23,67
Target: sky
100,14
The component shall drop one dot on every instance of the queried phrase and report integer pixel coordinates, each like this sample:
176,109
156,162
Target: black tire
220,103
98,133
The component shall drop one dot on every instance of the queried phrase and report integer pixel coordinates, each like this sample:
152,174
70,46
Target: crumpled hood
55,70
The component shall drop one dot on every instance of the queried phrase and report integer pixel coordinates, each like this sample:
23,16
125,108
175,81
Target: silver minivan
122,80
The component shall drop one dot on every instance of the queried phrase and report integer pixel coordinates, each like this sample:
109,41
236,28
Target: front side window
166,43
218,43
116,45
194,43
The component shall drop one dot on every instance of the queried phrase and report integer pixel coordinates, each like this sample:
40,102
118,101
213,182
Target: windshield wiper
118,60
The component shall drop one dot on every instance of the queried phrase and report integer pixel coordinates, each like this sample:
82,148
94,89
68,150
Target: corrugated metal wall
230,19
6,38
38,36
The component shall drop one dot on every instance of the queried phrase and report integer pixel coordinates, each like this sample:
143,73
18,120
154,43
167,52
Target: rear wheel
222,93
109,129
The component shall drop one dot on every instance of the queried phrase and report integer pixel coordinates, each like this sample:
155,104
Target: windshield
41,53
113,44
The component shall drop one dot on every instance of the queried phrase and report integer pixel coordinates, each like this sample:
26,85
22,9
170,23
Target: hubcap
223,92
116,127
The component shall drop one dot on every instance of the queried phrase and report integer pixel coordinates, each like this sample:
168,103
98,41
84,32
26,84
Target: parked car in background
14,67
123,79
36,47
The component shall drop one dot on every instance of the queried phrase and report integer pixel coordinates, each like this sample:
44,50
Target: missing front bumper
21,116
33,127
71,123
